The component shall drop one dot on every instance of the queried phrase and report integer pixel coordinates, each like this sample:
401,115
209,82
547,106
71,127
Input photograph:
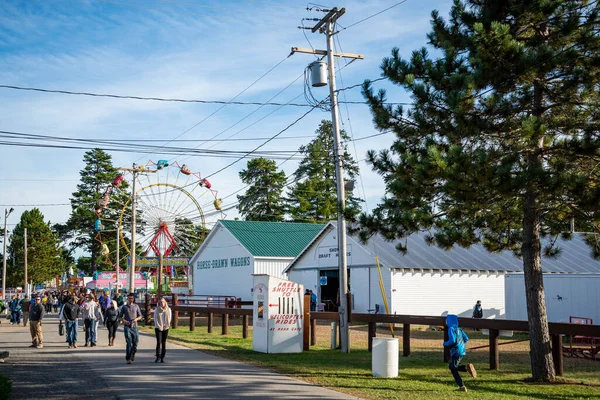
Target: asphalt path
56,372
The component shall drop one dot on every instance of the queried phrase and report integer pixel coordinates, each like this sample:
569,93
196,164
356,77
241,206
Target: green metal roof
273,239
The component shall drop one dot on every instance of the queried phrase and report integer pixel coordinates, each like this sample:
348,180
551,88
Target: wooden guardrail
493,325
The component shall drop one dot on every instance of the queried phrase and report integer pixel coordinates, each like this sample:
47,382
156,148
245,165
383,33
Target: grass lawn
423,375
5,388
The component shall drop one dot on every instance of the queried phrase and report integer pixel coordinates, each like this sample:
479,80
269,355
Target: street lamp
7,212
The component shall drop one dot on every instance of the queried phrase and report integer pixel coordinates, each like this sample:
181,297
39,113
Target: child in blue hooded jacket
456,341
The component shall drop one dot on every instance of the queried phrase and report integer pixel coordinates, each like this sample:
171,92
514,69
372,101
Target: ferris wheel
175,209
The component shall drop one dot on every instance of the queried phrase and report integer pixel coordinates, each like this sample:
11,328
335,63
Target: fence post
313,332
175,319
192,321
406,340
147,309
224,324
446,349
210,322
306,324
372,334
557,353
494,350
245,326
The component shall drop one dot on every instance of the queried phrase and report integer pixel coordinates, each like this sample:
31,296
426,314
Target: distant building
235,250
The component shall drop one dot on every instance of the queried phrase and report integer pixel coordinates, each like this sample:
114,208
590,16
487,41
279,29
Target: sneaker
40,346
462,389
471,370
75,345
33,345
85,345
93,344
129,362
133,357
70,346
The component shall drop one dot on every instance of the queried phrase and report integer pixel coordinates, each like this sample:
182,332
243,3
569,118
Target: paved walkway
56,372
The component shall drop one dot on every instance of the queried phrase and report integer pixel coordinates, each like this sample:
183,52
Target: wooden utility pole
326,26
159,277
135,170
25,255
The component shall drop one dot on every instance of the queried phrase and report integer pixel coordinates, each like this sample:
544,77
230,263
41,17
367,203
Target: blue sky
190,49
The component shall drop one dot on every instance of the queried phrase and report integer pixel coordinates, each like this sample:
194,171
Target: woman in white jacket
162,320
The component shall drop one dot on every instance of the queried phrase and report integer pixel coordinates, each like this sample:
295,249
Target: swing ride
175,209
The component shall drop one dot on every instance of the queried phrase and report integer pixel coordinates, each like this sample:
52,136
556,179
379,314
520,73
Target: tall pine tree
313,198
502,142
44,257
263,200
79,230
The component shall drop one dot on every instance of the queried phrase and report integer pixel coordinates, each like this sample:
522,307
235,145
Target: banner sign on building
328,255
154,261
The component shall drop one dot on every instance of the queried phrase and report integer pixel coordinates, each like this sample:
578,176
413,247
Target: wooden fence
493,325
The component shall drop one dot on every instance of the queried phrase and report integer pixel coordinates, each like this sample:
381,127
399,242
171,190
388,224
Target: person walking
162,321
456,342
71,315
16,309
111,321
35,323
26,306
91,314
130,315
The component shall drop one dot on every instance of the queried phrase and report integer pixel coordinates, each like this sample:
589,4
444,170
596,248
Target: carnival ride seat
185,170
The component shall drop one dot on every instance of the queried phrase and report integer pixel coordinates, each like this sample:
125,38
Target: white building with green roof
234,251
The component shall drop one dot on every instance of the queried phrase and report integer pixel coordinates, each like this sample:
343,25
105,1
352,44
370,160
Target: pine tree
44,257
501,144
79,231
263,200
314,197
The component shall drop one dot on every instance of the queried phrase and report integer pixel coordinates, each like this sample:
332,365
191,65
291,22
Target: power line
264,143
176,100
225,105
371,16
35,205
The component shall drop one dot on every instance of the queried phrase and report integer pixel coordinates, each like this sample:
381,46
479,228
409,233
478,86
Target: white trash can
385,357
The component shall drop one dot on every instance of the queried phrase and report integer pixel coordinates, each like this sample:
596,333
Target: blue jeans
72,332
90,330
16,317
454,367
131,339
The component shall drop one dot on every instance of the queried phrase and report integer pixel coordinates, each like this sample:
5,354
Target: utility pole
7,212
117,281
133,242
25,251
326,26
159,277
135,170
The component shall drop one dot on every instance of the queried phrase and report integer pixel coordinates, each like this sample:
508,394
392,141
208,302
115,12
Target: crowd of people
93,310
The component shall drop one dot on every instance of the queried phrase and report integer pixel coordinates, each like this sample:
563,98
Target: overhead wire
235,97
371,16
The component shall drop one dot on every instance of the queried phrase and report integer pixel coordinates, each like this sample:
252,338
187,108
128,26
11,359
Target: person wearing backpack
456,342
111,322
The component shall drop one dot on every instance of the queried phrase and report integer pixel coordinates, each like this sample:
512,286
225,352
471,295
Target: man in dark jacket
35,323
26,305
71,315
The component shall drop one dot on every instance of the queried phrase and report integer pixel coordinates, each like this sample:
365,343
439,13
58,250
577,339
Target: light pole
7,212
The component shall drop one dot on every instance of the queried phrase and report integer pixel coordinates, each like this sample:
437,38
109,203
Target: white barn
235,250
426,280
